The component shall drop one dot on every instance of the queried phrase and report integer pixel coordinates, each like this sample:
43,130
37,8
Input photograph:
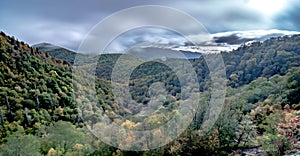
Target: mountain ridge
223,41
57,51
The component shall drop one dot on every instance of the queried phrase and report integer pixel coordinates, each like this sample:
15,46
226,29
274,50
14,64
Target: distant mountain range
224,41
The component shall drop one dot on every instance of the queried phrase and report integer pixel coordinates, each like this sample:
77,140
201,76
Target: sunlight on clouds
267,7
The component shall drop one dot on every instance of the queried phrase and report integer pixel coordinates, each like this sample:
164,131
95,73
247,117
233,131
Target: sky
67,22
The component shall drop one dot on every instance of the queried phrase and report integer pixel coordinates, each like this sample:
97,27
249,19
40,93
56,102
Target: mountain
260,35
44,105
31,79
223,41
152,53
46,47
57,51
233,38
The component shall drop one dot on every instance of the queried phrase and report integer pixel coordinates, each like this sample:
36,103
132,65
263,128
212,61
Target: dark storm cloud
290,18
240,37
236,39
231,39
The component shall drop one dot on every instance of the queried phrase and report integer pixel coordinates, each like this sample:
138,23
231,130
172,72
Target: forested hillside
34,83
39,112
57,52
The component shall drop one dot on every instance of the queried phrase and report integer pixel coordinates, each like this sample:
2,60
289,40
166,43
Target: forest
46,110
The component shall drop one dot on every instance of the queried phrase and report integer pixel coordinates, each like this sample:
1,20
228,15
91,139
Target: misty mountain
152,53
223,41
240,37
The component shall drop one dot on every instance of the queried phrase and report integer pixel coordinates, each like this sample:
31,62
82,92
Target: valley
48,110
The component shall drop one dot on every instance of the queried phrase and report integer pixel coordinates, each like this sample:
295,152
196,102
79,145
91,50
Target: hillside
40,108
57,52
34,83
36,100
263,59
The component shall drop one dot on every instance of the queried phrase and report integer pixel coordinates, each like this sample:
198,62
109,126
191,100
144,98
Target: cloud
154,37
145,36
240,37
56,32
66,22
63,22
290,18
231,39
219,16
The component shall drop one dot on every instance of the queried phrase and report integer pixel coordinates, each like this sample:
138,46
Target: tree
1,117
19,144
64,136
246,132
